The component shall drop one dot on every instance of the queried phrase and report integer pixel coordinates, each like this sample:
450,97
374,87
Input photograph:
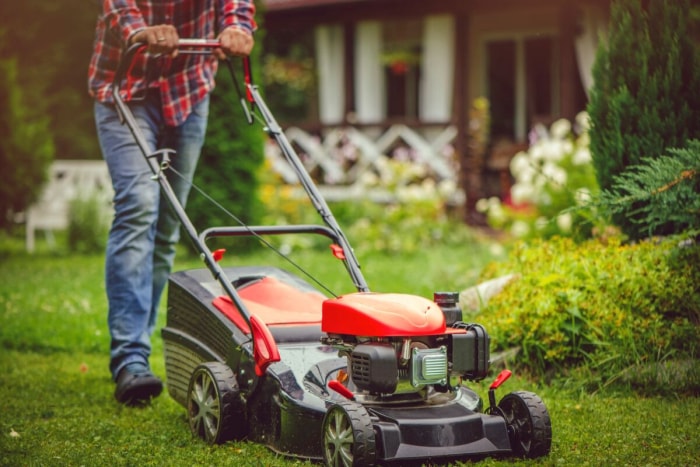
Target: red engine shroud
382,315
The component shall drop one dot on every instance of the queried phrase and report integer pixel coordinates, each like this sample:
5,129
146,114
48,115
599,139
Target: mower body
394,355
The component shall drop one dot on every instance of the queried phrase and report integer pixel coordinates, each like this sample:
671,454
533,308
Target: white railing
343,156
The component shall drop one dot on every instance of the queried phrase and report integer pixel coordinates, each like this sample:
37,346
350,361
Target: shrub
646,95
87,225
605,307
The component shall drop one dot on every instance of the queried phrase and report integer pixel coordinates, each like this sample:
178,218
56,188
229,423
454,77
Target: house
420,67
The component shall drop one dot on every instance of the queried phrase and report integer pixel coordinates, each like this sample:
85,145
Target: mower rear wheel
348,436
214,406
528,422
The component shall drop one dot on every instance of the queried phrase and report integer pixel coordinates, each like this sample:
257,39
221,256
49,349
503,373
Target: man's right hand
160,39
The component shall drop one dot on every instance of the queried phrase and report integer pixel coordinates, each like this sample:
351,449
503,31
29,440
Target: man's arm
237,24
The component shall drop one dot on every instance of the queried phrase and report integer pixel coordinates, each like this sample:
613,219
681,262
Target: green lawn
57,408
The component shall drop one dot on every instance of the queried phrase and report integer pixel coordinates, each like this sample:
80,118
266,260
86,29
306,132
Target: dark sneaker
136,385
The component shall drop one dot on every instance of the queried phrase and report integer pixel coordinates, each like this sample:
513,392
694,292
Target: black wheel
529,426
348,436
214,407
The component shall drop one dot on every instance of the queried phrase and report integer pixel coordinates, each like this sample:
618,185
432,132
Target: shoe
136,385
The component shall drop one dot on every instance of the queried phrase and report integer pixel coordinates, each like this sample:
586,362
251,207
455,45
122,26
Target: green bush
609,310
646,96
88,225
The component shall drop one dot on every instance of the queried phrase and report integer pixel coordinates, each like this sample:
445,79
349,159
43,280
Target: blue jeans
144,232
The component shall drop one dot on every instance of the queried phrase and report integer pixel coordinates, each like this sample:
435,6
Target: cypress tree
646,95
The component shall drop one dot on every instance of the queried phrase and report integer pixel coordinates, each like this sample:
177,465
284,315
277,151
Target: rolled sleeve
124,17
239,14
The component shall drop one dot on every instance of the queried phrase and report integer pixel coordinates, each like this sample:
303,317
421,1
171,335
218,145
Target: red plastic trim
265,349
500,379
338,387
338,251
219,254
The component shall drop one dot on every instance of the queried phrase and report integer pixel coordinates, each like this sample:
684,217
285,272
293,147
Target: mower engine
397,343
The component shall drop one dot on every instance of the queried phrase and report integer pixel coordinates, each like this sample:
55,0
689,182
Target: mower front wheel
348,436
214,407
528,422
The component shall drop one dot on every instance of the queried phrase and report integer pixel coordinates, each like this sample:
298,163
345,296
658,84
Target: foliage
552,176
230,160
52,43
412,213
646,95
289,74
87,225
613,310
663,191
26,148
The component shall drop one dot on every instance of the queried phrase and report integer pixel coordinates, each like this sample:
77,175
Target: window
522,81
401,57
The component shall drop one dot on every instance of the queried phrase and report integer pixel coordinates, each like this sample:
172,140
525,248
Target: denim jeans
144,232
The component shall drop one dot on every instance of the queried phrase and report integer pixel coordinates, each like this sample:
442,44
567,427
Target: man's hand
161,39
234,42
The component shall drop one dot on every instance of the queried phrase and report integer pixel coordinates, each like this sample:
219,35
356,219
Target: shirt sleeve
123,17
237,13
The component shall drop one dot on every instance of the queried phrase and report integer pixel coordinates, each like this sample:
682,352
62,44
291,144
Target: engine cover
382,315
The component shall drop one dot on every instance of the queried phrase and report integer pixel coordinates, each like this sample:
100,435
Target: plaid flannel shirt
183,81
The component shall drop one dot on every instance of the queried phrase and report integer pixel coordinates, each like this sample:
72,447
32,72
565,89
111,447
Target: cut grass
58,409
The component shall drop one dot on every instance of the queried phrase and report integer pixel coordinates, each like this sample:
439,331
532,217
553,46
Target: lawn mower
363,378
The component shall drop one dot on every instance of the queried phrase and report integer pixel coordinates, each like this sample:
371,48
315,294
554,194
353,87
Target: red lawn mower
357,379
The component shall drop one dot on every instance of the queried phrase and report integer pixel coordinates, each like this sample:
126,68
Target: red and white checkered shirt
183,81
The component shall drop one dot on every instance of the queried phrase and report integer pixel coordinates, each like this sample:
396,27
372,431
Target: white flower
582,156
560,129
537,150
520,229
497,214
583,122
553,150
522,193
527,175
482,205
496,249
541,223
583,196
447,188
564,222
538,132
519,163
555,174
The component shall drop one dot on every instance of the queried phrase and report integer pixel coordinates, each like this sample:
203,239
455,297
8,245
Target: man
168,94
